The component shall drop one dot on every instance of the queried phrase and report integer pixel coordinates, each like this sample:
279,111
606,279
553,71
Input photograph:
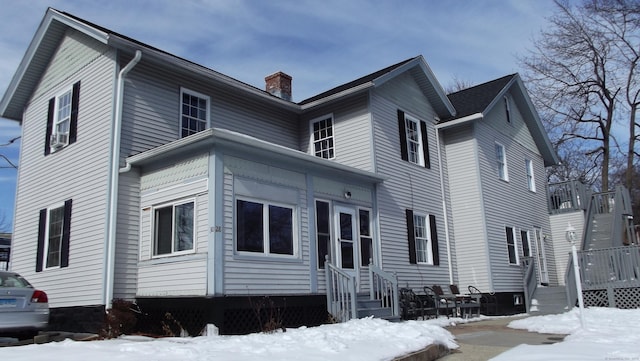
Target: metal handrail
384,287
529,281
341,293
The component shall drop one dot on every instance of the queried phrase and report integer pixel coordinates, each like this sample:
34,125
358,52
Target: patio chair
410,305
467,305
444,305
488,301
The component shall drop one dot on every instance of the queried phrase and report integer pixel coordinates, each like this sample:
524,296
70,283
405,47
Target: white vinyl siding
76,58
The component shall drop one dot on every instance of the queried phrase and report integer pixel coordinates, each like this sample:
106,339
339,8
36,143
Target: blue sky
321,44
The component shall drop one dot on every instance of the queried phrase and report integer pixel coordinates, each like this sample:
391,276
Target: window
173,228
264,228
511,245
53,237
414,147
323,231
62,119
366,239
528,164
501,161
195,112
323,138
507,109
423,238
526,246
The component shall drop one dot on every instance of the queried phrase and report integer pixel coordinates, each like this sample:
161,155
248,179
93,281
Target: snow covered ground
610,334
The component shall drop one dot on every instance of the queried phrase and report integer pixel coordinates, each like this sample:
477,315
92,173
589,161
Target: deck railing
617,267
567,197
341,293
529,281
384,287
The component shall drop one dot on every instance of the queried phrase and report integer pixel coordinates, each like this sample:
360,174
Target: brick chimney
279,84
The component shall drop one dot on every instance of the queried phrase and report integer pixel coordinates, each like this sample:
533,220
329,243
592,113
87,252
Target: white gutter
444,208
114,178
459,121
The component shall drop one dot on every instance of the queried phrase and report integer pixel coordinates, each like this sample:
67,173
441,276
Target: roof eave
336,96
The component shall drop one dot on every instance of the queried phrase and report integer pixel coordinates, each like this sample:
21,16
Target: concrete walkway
483,340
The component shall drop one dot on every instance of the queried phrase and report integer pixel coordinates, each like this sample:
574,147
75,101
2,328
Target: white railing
341,293
384,287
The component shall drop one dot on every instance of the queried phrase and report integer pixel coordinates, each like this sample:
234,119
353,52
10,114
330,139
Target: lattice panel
595,298
627,297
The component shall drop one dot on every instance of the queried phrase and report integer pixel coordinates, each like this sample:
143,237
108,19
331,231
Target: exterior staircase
368,307
549,300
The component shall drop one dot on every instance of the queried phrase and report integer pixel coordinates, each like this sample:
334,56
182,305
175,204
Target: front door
541,258
346,235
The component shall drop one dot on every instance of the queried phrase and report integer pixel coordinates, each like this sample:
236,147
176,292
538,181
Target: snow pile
609,334
365,339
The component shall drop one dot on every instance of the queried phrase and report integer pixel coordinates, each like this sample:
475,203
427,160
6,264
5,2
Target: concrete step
549,300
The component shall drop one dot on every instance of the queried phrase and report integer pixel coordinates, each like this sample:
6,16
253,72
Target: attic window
322,132
194,112
507,108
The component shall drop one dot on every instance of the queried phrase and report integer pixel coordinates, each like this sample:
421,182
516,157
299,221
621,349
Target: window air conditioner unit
59,140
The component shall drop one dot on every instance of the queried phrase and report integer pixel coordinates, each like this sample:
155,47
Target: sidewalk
483,340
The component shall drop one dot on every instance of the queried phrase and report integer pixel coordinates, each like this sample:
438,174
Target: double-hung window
265,228
366,238
174,227
422,235
501,162
53,237
322,132
414,147
62,119
531,184
194,112
511,245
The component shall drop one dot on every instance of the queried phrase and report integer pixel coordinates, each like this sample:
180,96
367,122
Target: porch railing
529,281
384,287
617,267
567,197
341,293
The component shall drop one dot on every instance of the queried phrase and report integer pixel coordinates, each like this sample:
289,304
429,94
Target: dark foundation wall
232,315
88,319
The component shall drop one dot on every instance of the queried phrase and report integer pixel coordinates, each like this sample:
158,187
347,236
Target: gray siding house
146,177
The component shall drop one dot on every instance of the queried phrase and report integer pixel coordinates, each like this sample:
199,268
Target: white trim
429,238
408,117
312,140
459,121
45,251
265,241
505,176
444,204
530,175
194,93
153,221
330,220
515,245
359,235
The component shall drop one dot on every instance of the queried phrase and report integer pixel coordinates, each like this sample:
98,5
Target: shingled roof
355,83
477,98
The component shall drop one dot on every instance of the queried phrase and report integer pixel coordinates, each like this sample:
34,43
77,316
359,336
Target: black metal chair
488,301
410,305
467,305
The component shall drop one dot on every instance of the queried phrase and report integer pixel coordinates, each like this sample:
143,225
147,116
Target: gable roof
417,66
475,102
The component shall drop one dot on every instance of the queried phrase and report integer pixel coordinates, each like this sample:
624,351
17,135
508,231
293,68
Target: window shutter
64,252
411,237
73,125
425,144
50,115
402,126
434,240
42,224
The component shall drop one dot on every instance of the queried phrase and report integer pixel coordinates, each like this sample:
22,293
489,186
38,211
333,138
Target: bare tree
457,84
574,80
4,157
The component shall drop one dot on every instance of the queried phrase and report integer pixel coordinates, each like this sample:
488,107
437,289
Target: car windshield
13,280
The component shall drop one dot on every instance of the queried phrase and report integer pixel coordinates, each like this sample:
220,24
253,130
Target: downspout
444,208
114,178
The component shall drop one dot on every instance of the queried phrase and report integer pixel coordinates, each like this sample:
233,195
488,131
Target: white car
23,309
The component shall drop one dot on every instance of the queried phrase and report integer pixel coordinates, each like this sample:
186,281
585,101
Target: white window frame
323,140
531,182
514,245
426,256
415,156
196,94
47,236
501,161
527,239
370,236
154,221
265,231
60,138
